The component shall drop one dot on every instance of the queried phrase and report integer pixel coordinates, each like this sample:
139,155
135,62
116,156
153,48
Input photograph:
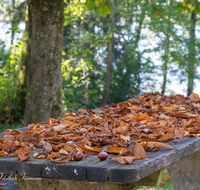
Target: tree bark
165,67
192,60
109,57
44,85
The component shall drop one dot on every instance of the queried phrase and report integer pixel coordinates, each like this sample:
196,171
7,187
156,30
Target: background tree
44,90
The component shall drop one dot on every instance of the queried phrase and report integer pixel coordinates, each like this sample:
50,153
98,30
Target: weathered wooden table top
92,169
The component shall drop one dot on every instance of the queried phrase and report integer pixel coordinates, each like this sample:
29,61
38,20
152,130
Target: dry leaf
47,146
194,96
124,159
53,155
139,151
63,151
115,150
153,145
61,160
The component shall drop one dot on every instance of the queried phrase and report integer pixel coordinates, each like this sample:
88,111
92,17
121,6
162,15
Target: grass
166,186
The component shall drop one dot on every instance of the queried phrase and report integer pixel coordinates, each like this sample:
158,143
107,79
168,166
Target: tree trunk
109,57
165,67
44,90
191,62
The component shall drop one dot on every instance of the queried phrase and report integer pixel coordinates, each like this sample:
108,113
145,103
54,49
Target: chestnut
78,156
103,155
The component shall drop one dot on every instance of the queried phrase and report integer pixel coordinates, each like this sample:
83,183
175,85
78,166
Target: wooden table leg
185,173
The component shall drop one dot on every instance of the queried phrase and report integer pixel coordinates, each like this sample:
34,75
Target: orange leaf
63,151
22,156
194,96
16,153
53,155
165,137
167,177
143,116
2,153
149,103
116,150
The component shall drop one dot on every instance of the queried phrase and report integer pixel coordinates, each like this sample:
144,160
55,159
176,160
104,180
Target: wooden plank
91,168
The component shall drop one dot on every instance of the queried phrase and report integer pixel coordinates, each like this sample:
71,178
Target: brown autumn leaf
194,135
170,108
165,137
154,144
27,136
3,153
92,149
124,159
53,155
139,151
12,132
40,155
163,117
85,141
63,151
143,116
47,146
179,133
61,160
149,103
194,96
16,153
151,118
115,150
158,99
134,108
22,155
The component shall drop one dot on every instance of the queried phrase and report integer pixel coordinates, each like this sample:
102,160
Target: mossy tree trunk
44,90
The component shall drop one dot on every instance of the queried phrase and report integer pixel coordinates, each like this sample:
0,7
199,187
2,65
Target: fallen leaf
115,150
47,146
124,159
153,144
139,151
53,155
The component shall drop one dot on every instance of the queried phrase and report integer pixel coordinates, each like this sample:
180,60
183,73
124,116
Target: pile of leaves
126,130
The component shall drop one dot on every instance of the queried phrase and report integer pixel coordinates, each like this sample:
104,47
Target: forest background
112,51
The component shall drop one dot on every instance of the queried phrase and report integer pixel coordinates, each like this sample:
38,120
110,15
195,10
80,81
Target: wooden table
91,173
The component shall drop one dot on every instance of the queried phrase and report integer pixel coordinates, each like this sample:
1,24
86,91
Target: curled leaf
39,155
124,159
153,144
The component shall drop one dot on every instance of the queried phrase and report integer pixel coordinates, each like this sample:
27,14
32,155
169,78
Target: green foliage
103,6
87,33
3,126
9,110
